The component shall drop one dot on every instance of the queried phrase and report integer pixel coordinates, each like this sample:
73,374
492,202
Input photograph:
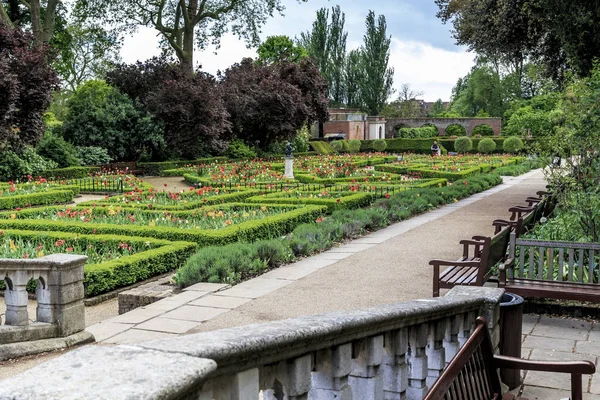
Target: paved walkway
387,266
558,339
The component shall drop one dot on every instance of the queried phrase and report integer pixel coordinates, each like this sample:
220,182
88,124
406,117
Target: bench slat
531,264
591,267
571,262
541,263
561,263
550,257
581,266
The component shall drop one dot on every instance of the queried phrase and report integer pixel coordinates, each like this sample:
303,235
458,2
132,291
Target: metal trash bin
511,329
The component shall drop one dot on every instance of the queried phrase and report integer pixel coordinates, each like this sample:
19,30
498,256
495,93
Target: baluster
365,379
15,297
451,343
417,362
436,358
43,297
289,379
330,378
241,386
394,367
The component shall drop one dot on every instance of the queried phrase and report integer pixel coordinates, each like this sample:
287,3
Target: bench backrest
498,247
556,260
471,375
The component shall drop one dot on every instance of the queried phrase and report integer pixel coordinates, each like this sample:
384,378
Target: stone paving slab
220,302
107,329
167,325
194,313
133,336
206,287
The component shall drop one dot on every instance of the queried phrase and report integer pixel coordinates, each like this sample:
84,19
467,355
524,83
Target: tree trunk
187,58
36,22
4,16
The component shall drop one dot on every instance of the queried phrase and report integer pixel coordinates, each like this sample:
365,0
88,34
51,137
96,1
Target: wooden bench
552,269
473,373
480,255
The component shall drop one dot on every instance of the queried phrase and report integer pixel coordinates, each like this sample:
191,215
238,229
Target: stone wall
442,123
394,351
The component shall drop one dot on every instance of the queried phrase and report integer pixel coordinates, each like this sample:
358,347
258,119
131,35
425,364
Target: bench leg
436,281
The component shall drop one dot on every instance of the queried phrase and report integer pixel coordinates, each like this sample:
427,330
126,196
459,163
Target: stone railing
388,352
59,293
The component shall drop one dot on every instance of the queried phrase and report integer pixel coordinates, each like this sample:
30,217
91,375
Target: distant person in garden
435,149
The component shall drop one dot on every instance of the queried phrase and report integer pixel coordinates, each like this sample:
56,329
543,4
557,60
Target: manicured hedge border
349,200
36,199
268,227
70,172
155,168
306,178
163,256
190,205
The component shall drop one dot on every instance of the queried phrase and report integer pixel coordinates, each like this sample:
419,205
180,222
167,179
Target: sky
423,53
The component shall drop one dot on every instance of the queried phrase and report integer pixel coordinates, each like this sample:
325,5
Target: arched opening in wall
434,132
381,135
456,130
428,124
483,130
397,128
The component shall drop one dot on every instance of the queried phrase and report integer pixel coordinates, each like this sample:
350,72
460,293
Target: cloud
429,69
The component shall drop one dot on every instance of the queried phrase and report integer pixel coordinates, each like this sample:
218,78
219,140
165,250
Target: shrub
483,130
512,144
92,155
418,133
338,146
70,172
239,150
379,145
354,146
321,147
15,166
56,149
486,145
463,144
275,252
455,130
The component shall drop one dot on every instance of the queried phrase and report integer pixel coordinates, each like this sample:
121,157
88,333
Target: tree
278,49
186,24
353,78
194,115
483,89
26,85
40,14
326,43
85,53
406,106
559,35
100,115
376,86
271,103
437,108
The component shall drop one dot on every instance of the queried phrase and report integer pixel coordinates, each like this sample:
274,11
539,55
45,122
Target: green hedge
190,205
155,168
70,172
265,228
451,176
422,146
36,199
416,133
322,147
162,256
348,200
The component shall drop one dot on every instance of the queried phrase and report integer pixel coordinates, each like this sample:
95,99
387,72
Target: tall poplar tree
376,85
326,43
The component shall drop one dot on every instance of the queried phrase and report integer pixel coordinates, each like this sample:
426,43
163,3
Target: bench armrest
521,209
479,238
567,367
542,193
473,242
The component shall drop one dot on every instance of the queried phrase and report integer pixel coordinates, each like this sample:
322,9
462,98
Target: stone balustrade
389,352
59,293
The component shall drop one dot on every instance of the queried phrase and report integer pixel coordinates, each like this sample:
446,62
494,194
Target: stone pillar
417,362
16,298
395,369
436,358
289,168
60,302
365,379
330,378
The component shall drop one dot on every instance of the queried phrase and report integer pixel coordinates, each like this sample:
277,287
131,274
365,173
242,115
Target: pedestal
289,168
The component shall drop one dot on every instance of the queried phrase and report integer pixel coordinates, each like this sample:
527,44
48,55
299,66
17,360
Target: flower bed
277,223
194,198
333,200
13,196
113,261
